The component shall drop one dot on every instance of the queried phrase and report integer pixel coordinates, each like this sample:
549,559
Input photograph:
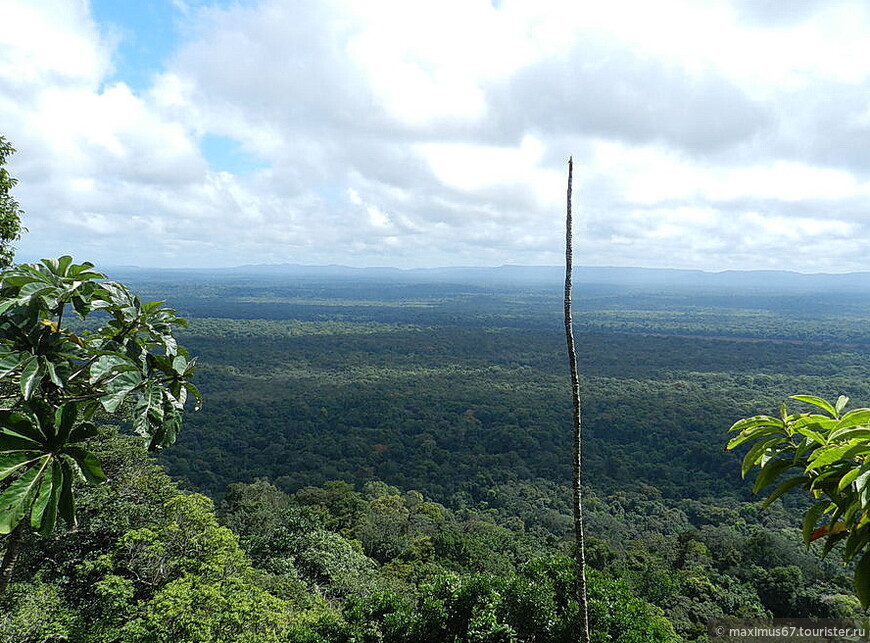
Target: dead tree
580,555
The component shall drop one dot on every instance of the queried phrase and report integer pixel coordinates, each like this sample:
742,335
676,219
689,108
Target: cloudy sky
711,134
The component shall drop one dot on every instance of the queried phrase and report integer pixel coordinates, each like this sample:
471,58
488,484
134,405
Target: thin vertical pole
580,555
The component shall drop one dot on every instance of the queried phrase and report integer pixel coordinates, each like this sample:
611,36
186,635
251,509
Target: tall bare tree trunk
13,545
580,556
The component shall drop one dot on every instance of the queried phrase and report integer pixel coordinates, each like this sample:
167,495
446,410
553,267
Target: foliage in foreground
828,453
55,381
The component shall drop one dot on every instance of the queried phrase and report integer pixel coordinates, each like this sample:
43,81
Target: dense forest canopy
386,458
449,387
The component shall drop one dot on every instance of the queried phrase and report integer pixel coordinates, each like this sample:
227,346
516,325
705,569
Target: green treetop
10,213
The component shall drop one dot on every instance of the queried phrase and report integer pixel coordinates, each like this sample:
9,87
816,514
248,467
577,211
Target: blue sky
728,134
146,32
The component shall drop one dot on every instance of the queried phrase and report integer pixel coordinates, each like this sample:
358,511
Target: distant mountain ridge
542,276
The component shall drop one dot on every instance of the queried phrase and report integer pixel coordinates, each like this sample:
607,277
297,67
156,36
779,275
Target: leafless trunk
580,556
13,545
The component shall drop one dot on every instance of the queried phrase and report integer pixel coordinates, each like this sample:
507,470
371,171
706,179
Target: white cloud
427,61
650,175
472,168
50,42
714,135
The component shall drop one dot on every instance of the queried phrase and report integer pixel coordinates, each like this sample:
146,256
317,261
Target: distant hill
539,276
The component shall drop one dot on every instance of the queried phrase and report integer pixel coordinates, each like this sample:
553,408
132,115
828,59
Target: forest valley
385,457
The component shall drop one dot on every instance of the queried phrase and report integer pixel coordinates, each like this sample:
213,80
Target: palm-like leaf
63,377
34,447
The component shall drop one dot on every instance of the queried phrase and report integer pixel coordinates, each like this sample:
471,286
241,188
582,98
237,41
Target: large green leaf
179,364
855,417
64,419
151,307
811,517
88,464
170,345
191,388
51,370
66,505
81,303
834,453
106,364
855,543
117,299
850,433
769,472
13,442
11,361
83,431
31,374
36,288
863,476
812,435
49,516
15,278
754,421
43,515
21,424
149,413
781,489
753,434
118,389
862,580
817,401
754,454
167,432
84,271
12,462
16,500
847,479
814,422
842,401
58,266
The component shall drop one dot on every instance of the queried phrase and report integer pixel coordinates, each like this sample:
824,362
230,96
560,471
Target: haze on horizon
729,134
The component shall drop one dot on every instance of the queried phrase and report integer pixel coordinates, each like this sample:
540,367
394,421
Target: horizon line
476,268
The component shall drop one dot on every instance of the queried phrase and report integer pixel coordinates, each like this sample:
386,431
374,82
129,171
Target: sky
706,134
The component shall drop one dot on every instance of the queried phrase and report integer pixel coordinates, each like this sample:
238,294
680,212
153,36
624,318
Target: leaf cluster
43,449
10,212
56,381
828,453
